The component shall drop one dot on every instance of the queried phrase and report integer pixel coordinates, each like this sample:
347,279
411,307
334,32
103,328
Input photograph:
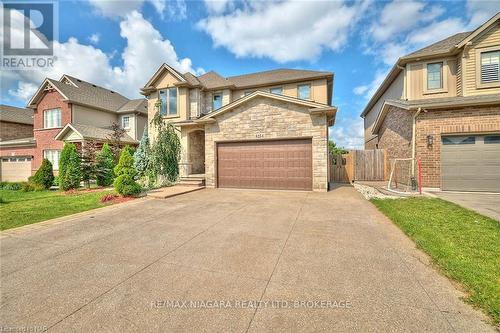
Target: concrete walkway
487,204
223,260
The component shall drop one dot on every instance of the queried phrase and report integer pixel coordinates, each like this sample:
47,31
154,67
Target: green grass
464,245
19,208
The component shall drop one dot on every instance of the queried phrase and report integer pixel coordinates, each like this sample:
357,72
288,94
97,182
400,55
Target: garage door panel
283,164
471,167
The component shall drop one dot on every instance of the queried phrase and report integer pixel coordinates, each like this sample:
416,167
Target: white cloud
94,38
24,91
481,11
175,9
284,31
348,132
217,6
368,90
436,31
396,17
360,90
146,50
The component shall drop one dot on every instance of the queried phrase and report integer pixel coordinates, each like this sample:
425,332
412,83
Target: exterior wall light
430,140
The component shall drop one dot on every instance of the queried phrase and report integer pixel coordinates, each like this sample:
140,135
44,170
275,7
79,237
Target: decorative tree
125,183
165,150
88,163
334,150
105,164
142,155
44,176
115,139
69,168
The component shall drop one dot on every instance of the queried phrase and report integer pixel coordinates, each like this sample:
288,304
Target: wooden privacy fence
370,165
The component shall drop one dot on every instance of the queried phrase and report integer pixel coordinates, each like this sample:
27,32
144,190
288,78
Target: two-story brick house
72,110
441,104
265,130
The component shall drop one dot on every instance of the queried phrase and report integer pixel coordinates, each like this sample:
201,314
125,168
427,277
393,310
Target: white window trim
310,91
55,166
445,74
123,118
168,115
60,118
479,84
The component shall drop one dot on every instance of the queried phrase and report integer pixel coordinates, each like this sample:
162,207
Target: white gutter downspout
413,140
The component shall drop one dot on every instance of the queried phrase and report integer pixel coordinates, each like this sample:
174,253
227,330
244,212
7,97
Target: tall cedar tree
165,150
69,168
105,164
125,183
89,167
142,154
115,139
44,176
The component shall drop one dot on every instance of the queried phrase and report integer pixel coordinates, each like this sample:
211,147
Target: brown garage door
280,164
471,163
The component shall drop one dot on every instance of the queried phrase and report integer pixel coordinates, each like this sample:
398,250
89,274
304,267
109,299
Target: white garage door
15,169
470,163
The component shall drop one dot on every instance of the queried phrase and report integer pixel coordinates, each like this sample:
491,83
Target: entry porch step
192,180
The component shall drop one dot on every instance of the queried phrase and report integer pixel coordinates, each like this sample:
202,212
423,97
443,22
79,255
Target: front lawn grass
464,244
20,208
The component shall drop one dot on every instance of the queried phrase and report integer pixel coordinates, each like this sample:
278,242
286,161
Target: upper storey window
276,90
216,101
435,76
52,118
168,98
490,67
304,91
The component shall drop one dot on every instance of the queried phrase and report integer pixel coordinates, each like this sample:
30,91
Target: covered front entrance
471,163
275,164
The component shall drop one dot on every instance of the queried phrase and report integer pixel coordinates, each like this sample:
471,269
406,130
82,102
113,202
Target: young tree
334,150
115,139
105,164
165,150
69,168
88,163
125,183
142,154
44,176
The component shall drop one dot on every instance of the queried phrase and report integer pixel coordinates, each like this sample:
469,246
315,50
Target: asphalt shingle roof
439,47
135,105
99,133
16,115
275,76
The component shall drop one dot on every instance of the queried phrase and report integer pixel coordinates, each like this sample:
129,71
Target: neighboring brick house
441,104
72,110
266,130
16,136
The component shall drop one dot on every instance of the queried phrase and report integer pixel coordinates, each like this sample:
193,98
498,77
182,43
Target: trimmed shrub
69,168
31,186
44,176
125,183
11,186
105,164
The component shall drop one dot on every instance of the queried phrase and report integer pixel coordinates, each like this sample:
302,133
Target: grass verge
463,243
21,208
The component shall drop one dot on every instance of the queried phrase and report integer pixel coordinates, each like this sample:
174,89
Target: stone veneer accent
264,118
475,120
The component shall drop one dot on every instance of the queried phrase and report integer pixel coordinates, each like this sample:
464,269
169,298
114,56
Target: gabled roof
16,115
276,76
77,91
434,104
159,71
135,105
447,46
90,132
212,80
314,107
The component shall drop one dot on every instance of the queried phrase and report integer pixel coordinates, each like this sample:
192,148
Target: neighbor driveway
487,204
312,261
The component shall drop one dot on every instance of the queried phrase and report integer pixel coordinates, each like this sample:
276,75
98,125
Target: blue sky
119,44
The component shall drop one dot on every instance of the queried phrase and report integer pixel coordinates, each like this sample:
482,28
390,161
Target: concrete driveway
222,260
487,204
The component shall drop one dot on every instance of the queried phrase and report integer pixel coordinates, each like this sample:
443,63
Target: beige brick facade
473,120
265,118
